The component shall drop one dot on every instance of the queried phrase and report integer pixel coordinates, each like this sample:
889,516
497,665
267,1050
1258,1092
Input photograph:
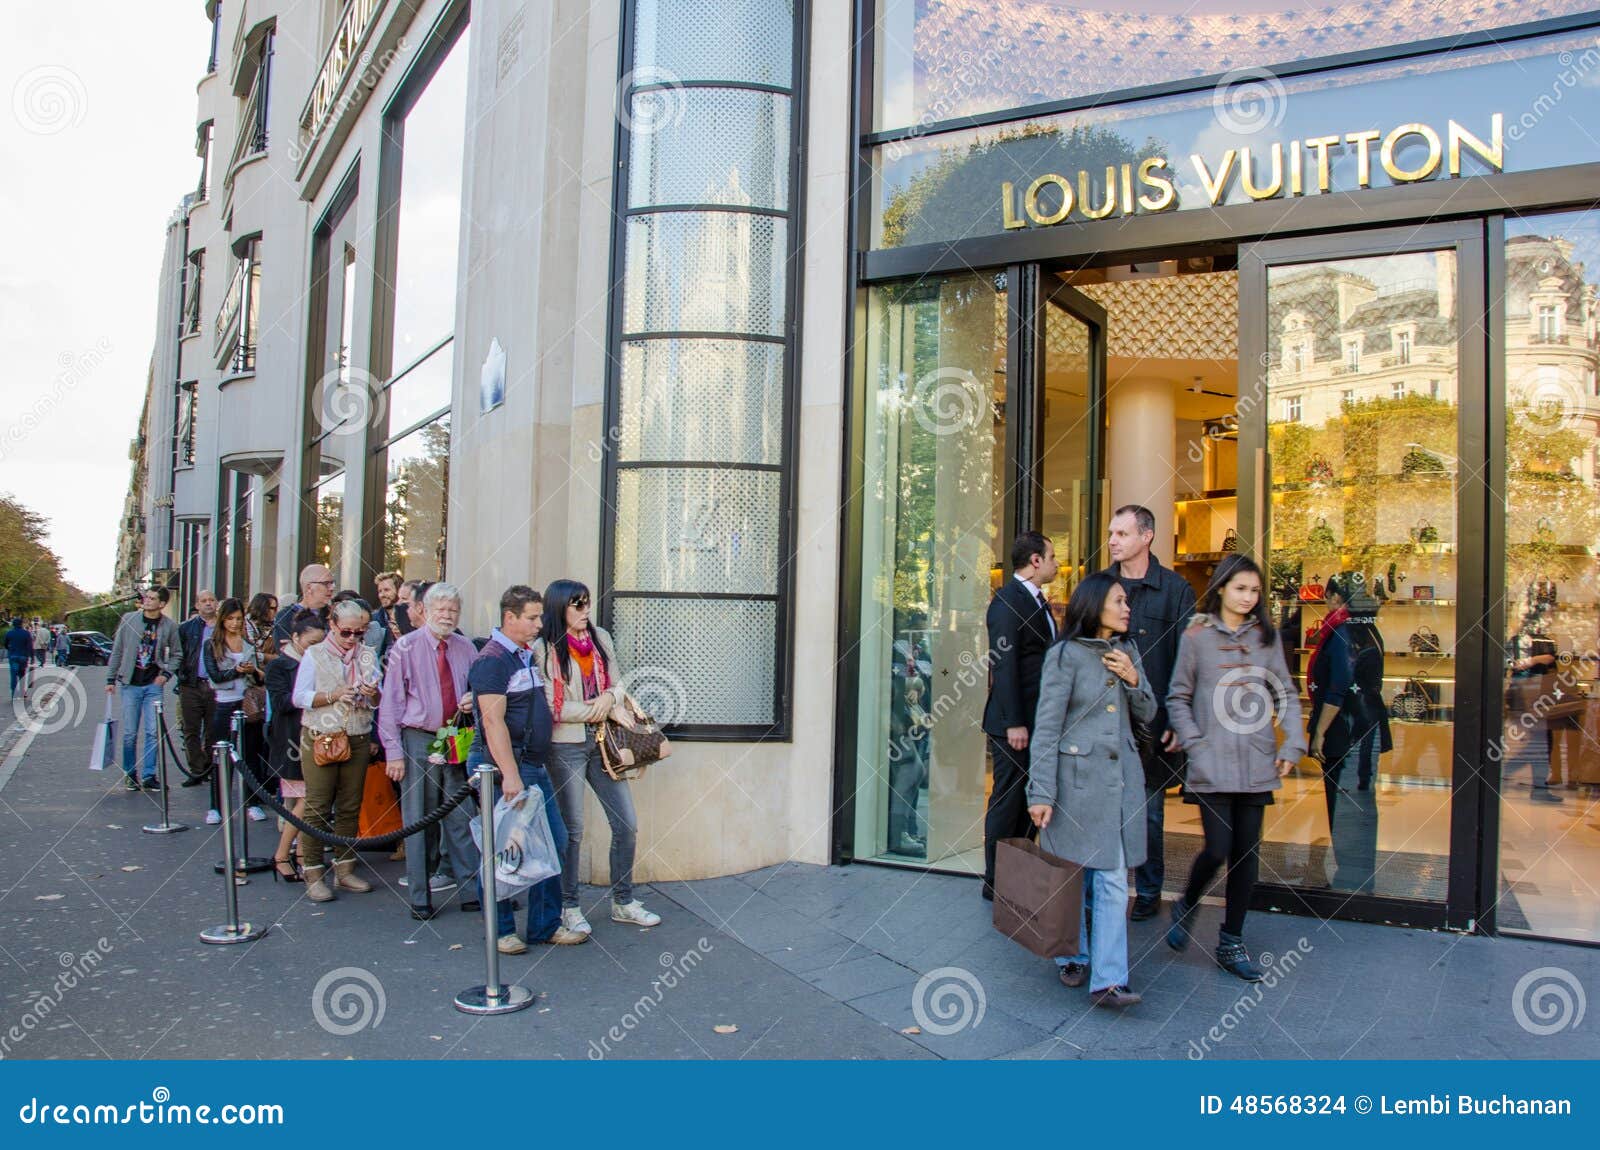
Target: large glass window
1363,569
425,166
696,571
417,502
1548,753
940,59
933,512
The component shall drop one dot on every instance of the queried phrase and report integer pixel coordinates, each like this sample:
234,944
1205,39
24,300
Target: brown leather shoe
1116,996
1074,974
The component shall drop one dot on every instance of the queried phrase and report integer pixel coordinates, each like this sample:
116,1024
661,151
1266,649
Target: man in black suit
1021,629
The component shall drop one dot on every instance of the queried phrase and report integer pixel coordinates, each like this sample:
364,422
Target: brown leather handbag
329,748
628,747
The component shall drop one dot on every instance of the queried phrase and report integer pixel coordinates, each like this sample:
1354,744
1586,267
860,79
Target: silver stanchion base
225,935
255,864
165,828
476,1000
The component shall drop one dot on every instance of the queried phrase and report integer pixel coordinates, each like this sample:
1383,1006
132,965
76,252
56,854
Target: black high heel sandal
293,874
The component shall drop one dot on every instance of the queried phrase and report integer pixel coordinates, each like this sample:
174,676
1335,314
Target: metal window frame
781,729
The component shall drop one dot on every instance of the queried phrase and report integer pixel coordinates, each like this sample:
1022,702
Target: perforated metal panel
705,271
743,40
718,400
697,529
706,661
747,164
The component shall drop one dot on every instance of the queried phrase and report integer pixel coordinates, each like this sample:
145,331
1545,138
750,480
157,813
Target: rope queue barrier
494,996
372,842
166,826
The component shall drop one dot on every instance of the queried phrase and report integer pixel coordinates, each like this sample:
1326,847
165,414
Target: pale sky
96,149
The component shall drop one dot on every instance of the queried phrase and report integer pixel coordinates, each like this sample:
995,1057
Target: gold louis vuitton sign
1300,167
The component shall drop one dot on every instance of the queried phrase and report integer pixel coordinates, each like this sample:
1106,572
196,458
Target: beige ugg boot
317,890
348,879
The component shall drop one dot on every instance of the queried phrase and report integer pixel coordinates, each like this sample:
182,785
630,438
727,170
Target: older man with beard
424,686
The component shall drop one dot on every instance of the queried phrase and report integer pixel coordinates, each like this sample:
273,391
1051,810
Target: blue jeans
19,668
139,709
544,899
1107,956
1149,875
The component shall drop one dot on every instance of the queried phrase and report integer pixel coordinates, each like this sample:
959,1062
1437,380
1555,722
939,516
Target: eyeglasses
321,583
347,633
581,602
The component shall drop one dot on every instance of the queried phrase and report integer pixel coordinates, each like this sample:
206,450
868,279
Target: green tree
30,572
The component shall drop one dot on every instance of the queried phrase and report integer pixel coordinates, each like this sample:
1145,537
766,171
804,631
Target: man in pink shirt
424,686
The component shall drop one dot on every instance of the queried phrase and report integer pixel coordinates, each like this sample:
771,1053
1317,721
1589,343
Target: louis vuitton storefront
1318,284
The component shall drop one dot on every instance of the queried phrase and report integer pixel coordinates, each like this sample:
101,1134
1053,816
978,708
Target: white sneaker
213,818
436,883
257,815
633,913
572,918
565,937
511,944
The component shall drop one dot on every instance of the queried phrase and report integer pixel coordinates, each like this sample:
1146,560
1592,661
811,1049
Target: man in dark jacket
1021,629
19,649
196,703
1160,602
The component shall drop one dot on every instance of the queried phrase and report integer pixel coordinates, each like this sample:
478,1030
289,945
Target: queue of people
327,686
1141,687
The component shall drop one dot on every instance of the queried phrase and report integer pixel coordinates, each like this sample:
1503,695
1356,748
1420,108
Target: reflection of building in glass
1339,338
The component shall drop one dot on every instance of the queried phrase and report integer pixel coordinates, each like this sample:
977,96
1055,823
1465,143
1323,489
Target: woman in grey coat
1085,780
1231,681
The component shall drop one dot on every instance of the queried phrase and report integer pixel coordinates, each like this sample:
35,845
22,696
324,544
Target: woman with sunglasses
336,689
579,662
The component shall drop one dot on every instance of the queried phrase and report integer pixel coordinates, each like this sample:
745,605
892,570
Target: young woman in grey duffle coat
1230,682
1085,781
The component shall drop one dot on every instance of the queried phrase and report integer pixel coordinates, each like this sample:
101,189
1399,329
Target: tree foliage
30,572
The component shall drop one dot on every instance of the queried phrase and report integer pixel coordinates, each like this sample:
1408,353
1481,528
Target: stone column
1141,446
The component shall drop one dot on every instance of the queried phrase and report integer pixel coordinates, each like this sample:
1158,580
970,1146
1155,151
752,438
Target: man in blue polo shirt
515,724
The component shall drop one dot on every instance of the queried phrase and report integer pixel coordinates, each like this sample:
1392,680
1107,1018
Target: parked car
89,649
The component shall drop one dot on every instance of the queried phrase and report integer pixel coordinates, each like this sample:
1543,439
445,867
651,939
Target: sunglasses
346,633
581,602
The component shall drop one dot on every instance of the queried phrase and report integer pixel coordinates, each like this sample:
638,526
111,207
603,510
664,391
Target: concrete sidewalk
99,924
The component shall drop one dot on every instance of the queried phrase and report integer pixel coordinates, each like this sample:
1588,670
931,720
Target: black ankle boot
1235,959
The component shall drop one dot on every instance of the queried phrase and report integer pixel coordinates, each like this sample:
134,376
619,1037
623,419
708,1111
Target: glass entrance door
1061,496
1368,399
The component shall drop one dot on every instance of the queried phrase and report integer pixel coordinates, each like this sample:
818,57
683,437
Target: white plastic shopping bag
105,738
525,848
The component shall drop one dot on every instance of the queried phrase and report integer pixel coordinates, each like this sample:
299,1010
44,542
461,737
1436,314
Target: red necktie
447,684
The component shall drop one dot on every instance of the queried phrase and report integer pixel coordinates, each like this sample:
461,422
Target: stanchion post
245,861
166,826
493,997
233,930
